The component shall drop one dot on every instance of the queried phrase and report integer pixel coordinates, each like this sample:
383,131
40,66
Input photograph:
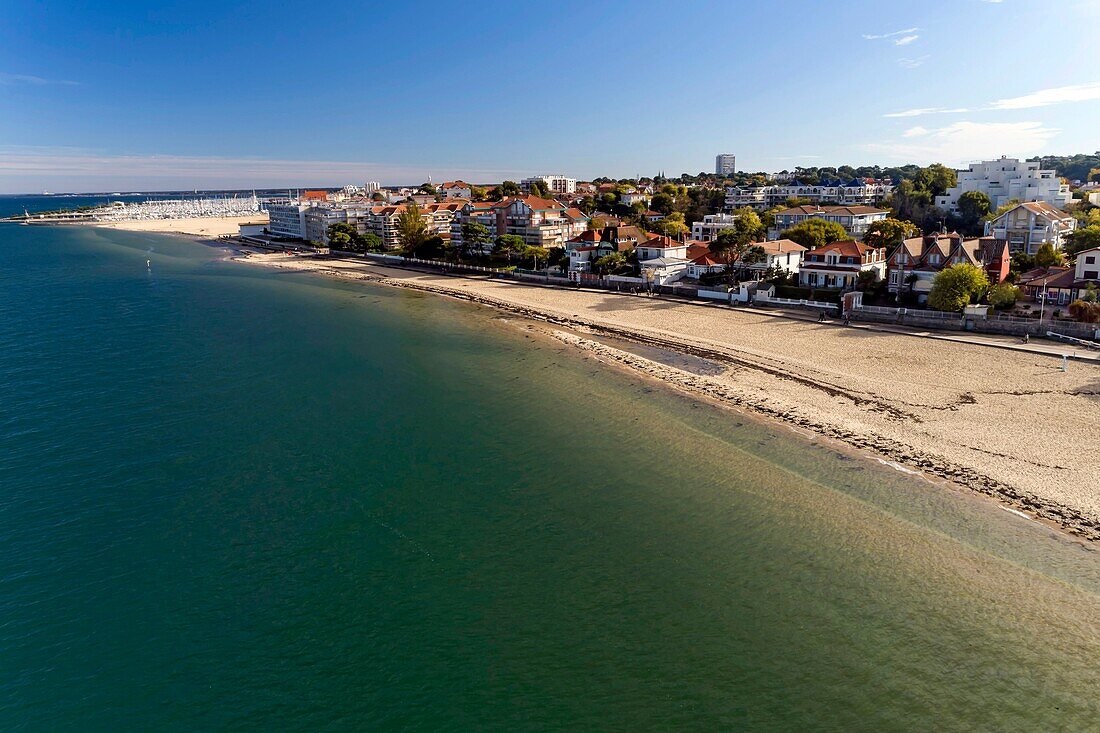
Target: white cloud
919,111
1042,98
912,63
903,32
965,141
1055,95
9,79
906,40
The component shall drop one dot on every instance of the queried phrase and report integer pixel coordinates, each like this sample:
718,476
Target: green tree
1047,256
343,236
509,244
510,188
815,233
749,224
662,203
957,286
372,242
428,189
973,207
411,229
610,263
1003,295
736,248
672,225
936,179
474,238
536,254
889,232
540,189
1082,239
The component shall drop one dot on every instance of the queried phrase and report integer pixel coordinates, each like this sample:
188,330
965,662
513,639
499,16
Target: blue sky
111,96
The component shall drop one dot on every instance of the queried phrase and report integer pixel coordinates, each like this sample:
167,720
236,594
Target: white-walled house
662,246
838,265
1006,180
708,229
634,197
1030,225
456,190
1087,266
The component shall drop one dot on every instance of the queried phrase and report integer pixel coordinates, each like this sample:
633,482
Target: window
1089,260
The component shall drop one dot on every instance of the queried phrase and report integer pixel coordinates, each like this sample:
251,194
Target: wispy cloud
1055,95
906,40
920,111
965,140
878,36
912,63
10,79
1042,98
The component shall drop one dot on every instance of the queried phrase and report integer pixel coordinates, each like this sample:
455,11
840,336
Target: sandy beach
199,227
1009,424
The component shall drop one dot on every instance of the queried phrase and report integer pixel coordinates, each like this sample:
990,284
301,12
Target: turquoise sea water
238,499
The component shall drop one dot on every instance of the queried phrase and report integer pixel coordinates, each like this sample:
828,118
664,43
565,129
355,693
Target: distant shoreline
946,428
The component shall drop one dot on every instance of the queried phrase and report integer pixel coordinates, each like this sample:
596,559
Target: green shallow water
238,499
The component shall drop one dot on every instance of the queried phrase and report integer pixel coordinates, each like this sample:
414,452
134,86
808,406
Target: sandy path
1006,423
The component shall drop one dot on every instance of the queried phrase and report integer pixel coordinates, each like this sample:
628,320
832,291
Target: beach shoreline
778,378
194,227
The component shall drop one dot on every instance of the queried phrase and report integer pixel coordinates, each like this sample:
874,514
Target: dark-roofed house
914,263
1055,285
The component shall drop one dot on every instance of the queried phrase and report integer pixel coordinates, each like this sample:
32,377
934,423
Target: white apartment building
287,219
1006,180
707,230
557,184
856,192
371,186
725,164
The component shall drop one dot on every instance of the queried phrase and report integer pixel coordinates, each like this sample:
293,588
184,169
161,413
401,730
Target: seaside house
780,255
1055,285
1030,225
590,245
839,265
914,263
662,247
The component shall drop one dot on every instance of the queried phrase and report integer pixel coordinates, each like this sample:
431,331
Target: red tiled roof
661,242
847,248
